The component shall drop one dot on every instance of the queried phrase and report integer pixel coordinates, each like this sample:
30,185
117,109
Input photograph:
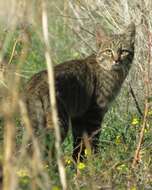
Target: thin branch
12,53
147,81
141,137
135,100
70,17
84,29
52,95
9,135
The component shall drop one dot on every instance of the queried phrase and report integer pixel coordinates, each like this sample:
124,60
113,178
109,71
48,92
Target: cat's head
116,50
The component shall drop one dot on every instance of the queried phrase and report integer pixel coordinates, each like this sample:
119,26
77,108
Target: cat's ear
130,31
100,36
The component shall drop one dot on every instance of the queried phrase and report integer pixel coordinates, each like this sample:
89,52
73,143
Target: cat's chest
107,87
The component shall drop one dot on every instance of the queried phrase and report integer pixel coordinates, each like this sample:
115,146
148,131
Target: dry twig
52,96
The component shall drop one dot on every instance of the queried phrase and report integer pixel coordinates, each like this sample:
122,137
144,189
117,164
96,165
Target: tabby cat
84,89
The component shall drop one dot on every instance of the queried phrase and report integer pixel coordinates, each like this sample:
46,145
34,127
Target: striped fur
84,90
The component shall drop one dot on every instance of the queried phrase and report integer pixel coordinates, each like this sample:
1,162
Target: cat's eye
124,53
109,52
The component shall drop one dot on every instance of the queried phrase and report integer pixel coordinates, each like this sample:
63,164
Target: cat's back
79,70
74,83
75,67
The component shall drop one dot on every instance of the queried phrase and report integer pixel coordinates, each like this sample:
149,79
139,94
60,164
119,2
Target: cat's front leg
86,133
85,140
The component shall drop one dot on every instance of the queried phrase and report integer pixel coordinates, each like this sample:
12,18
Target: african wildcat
84,89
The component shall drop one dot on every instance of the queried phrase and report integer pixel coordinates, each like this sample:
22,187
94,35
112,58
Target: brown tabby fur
84,89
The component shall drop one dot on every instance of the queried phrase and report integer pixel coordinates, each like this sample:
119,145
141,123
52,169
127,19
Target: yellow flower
22,173
122,168
145,130
133,188
68,161
87,152
55,188
75,54
81,166
135,121
46,166
150,112
118,139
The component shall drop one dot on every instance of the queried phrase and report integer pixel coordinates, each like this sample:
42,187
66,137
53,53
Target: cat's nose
115,57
